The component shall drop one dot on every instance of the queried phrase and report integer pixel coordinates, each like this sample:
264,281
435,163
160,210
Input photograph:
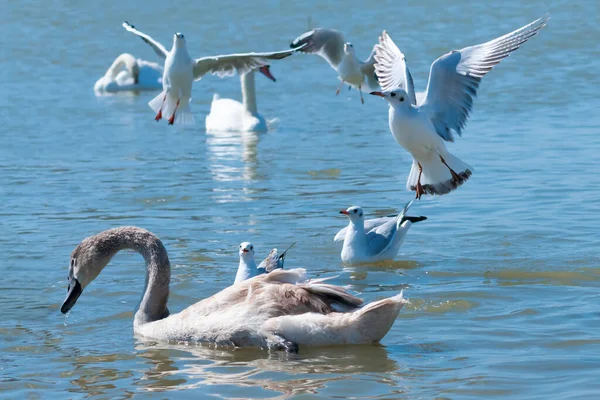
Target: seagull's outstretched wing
385,235
454,78
158,48
328,43
227,65
368,70
391,69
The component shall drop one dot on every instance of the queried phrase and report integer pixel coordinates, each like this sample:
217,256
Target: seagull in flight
333,47
181,70
422,127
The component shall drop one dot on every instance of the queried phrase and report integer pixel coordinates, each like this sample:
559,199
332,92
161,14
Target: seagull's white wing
227,65
455,77
368,69
382,237
391,69
158,48
270,263
328,43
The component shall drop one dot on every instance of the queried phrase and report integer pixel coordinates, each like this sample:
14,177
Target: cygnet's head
178,39
348,48
246,251
354,213
396,97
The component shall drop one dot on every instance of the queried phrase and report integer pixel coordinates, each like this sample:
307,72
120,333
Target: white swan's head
246,251
348,48
355,214
396,97
87,261
178,40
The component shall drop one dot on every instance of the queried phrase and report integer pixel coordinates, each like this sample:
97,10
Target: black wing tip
416,219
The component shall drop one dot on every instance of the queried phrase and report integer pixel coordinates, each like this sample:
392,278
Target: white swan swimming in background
228,115
280,310
128,73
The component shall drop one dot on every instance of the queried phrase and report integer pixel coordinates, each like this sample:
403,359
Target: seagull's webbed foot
339,88
172,119
456,179
158,116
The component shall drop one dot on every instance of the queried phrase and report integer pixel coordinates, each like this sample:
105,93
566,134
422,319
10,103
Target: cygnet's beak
378,94
73,292
344,212
266,71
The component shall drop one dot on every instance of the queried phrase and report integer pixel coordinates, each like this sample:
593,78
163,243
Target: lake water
503,277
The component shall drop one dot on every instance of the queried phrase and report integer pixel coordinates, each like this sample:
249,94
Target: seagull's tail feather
184,116
156,102
436,177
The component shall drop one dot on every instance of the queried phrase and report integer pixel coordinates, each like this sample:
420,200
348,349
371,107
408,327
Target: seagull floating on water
181,70
332,46
374,239
247,268
453,81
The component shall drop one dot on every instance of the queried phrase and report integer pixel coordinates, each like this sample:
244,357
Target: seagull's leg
361,96
455,177
159,114
172,119
419,188
340,88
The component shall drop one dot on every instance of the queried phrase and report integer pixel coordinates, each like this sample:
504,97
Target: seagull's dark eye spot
355,211
393,94
401,98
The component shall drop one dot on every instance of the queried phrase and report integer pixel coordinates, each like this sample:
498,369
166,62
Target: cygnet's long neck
246,269
153,305
249,92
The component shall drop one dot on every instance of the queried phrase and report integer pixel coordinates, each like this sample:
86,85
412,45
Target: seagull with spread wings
332,46
181,70
422,127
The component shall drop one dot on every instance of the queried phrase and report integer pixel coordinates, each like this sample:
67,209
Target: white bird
280,310
228,115
247,267
453,81
129,74
181,70
332,46
374,239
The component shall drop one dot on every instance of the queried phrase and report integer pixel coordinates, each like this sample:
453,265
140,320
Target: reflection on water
174,368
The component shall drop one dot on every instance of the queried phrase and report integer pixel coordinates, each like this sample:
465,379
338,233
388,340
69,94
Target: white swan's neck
246,270
153,305
249,93
124,60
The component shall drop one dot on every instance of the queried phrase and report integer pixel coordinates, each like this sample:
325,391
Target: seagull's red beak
266,71
378,94
344,212
245,250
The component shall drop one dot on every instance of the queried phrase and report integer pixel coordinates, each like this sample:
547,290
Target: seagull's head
266,71
178,39
396,97
354,214
246,251
348,48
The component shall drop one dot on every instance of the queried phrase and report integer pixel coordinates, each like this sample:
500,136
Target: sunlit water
503,277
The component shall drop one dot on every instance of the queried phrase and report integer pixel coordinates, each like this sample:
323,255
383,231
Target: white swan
279,310
128,73
227,115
